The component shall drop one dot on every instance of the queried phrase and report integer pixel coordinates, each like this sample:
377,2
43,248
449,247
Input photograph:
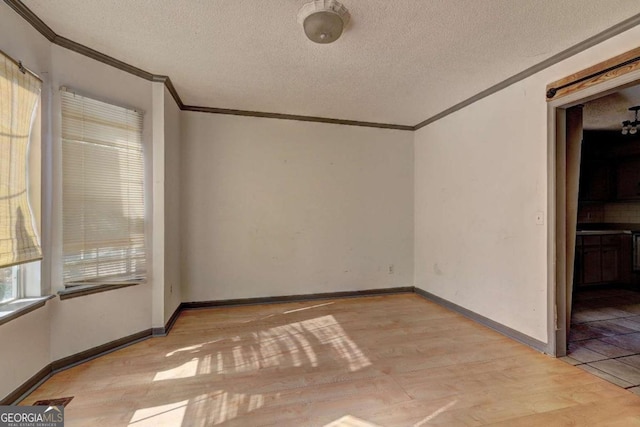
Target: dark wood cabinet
603,259
592,265
628,179
609,167
596,183
610,264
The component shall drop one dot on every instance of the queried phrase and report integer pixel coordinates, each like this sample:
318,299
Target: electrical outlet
391,269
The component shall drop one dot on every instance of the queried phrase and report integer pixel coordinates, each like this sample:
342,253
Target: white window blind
19,97
103,192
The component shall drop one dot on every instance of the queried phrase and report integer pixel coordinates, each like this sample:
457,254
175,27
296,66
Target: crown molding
28,15
295,117
101,57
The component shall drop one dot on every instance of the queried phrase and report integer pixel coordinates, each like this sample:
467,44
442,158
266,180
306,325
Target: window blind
103,192
19,97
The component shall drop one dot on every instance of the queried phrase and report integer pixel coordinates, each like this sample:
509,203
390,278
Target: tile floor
605,335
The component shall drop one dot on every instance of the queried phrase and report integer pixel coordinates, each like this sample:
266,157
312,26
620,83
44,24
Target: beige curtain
19,97
574,151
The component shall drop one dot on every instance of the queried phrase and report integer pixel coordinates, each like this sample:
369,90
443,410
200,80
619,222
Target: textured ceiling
608,112
398,61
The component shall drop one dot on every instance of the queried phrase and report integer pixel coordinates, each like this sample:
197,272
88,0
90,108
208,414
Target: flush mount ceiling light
323,20
631,127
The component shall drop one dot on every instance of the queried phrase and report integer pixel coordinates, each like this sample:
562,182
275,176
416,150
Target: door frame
556,203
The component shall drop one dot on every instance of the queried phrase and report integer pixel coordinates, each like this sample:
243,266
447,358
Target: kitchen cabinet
610,262
609,167
603,259
628,179
596,183
591,265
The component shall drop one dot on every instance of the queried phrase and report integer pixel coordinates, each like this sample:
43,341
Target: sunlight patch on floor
328,331
191,348
186,370
291,341
290,344
432,416
221,406
169,415
308,308
350,421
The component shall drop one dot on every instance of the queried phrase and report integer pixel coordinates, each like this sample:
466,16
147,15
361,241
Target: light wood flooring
379,361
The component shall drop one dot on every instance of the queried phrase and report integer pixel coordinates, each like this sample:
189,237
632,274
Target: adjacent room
317,213
606,302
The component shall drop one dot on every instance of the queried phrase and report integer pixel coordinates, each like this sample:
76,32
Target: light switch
540,218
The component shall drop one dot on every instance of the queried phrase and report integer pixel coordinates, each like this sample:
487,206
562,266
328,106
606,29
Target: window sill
20,307
80,291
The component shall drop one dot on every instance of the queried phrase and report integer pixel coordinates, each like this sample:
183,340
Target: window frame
102,283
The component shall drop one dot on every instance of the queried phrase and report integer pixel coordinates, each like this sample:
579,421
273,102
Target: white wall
280,207
20,41
172,208
24,350
82,323
480,178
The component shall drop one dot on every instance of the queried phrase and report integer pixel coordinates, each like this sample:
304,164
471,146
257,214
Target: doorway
604,305
562,216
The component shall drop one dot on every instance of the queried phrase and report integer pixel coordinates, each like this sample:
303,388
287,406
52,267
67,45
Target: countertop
604,226
601,232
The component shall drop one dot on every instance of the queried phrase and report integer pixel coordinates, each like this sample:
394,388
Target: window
103,192
8,284
19,282
19,241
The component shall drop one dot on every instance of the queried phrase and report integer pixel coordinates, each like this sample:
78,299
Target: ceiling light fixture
323,20
631,127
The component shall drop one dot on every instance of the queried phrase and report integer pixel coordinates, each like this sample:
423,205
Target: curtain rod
21,66
554,90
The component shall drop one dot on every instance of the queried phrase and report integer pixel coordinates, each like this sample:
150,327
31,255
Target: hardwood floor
379,361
